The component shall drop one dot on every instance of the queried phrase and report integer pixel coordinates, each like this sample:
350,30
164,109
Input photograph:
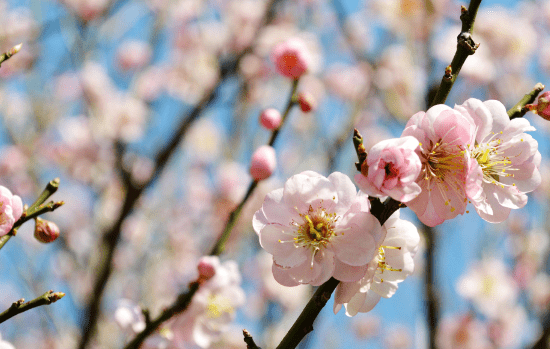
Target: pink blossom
291,58
542,107
443,134
11,209
489,286
263,163
390,266
316,228
507,159
391,169
213,307
270,118
134,54
462,332
129,316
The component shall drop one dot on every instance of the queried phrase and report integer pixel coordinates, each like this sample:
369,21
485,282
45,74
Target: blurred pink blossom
270,118
291,58
133,54
462,332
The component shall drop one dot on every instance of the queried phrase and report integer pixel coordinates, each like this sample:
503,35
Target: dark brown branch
249,340
465,47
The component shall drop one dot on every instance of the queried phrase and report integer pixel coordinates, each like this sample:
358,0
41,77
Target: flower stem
36,209
19,306
519,110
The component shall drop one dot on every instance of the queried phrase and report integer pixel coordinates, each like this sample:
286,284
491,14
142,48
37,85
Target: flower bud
307,102
207,267
263,162
543,105
291,58
270,119
45,231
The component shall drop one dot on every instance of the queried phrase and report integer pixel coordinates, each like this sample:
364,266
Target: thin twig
37,208
465,47
519,110
20,306
249,340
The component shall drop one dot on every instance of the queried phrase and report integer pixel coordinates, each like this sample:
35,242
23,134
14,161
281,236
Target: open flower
393,263
11,209
507,159
391,169
213,307
443,134
316,228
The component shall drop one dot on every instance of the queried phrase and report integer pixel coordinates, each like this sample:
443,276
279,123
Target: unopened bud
14,49
270,119
45,231
207,267
291,58
543,105
307,102
263,163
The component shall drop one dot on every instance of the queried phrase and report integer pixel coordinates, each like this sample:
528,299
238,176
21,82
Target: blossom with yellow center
506,159
318,227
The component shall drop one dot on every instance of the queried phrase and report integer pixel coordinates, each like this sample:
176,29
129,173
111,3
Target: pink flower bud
207,267
270,118
291,58
263,163
307,102
543,105
45,231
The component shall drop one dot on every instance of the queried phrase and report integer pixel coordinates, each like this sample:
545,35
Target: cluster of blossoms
318,227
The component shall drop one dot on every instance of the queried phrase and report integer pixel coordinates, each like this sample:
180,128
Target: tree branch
519,110
465,47
249,341
20,306
133,192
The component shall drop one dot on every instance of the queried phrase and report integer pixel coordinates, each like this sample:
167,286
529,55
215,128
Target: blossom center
218,306
382,264
444,164
317,228
490,157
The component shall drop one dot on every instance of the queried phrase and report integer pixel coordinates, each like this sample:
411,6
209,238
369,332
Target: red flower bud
45,231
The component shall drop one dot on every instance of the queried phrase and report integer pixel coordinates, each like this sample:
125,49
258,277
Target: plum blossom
316,228
11,209
393,263
443,134
462,332
489,286
129,316
213,307
506,158
391,169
